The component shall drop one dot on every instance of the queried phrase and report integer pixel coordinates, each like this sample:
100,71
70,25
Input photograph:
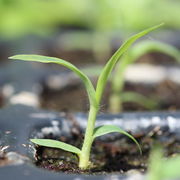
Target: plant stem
88,139
115,103
117,83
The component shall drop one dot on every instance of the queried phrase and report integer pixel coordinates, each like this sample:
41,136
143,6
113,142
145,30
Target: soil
166,94
3,159
116,155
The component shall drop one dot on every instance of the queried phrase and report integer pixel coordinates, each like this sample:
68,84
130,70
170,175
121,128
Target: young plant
163,168
118,96
94,96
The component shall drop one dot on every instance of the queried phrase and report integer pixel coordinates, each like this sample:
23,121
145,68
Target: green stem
115,103
117,83
84,157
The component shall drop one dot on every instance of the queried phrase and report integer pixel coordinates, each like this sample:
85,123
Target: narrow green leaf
56,144
102,130
44,59
114,59
148,46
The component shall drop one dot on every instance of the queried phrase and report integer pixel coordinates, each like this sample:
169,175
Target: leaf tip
33,140
12,57
16,57
19,56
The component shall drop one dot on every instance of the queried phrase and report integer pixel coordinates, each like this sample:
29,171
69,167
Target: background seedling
94,96
163,168
118,96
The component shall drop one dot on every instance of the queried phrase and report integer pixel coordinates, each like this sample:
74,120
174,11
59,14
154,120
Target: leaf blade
144,101
56,144
105,129
148,46
44,59
114,59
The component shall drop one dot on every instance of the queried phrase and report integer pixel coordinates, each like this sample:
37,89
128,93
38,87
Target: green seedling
118,96
163,168
94,96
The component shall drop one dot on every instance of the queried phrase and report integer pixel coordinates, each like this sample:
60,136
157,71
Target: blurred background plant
161,168
118,95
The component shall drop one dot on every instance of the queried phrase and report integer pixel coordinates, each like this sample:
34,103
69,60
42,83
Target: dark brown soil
4,161
116,155
74,98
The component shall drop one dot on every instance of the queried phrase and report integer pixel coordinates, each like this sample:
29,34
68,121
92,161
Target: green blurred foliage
139,13
161,168
135,14
19,17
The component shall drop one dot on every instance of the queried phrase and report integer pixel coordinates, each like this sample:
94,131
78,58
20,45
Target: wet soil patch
117,154
74,98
